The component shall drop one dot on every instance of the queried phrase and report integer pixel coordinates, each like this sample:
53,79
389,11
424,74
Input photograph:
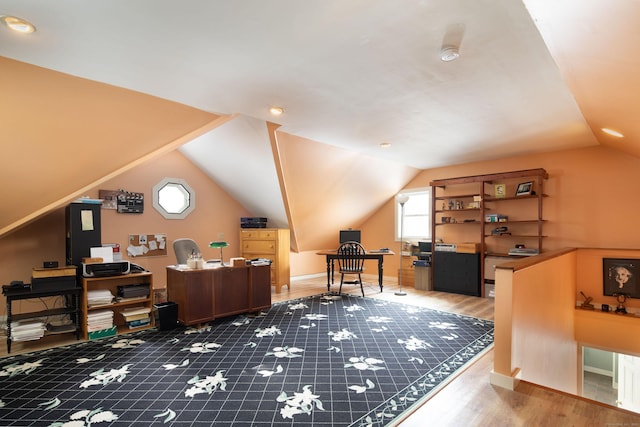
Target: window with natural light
417,215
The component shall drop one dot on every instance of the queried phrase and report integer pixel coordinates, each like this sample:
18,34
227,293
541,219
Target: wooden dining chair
351,261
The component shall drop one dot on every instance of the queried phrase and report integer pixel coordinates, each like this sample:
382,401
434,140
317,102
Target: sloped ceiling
62,135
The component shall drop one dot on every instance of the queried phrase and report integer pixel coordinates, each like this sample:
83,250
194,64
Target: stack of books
99,320
99,297
136,317
27,330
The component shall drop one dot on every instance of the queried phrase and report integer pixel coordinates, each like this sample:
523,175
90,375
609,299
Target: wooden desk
332,255
212,292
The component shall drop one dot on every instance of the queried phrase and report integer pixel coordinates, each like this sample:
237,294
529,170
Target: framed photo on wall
620,276
525,189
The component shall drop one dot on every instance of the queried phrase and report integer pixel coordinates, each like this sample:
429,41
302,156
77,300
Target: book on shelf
132,317
132,299
135,310
139,323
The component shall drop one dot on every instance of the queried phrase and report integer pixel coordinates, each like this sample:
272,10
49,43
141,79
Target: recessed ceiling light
385,144
276,111
612,132
18,24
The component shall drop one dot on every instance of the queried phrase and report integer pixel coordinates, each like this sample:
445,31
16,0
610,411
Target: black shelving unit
72,307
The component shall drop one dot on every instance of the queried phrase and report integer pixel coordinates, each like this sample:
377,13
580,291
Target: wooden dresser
271,243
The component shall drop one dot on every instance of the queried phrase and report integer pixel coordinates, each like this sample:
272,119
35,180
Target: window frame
188,193
423,191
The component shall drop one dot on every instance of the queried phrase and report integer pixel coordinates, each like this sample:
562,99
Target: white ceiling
359,72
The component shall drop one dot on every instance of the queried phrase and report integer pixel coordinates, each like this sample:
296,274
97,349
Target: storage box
57,283
238,262
423,278
468,248
103,333
69,270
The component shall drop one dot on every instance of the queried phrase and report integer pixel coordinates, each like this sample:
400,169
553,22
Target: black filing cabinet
456,272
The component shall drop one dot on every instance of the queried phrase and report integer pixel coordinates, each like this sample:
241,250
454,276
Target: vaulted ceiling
532,76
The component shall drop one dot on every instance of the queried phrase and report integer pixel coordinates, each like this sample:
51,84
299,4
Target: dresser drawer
257,234
259,246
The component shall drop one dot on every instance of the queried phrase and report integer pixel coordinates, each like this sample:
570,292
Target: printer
103,269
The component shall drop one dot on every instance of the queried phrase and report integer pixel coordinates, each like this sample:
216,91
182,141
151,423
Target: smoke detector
449,53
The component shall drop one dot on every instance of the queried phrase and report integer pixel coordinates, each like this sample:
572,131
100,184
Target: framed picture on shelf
500,190
525,189
620,277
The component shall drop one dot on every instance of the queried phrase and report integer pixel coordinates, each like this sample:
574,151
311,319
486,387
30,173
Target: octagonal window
173,198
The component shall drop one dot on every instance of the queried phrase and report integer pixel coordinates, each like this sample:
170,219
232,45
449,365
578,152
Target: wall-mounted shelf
466,201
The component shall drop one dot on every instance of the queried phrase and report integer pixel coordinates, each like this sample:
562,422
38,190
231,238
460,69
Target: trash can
166,314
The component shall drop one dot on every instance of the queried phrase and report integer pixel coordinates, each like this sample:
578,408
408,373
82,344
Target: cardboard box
238,262
468,248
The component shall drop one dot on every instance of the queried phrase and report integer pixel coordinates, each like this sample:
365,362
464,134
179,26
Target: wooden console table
212,292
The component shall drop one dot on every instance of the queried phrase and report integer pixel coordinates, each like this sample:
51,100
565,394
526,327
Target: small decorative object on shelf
621,309
500,190
525,189
586,305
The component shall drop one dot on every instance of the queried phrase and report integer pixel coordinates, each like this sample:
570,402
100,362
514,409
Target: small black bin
166,314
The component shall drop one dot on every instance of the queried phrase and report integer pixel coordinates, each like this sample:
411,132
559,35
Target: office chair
185,247
351,261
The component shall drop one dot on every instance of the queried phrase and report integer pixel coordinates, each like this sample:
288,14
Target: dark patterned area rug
314,361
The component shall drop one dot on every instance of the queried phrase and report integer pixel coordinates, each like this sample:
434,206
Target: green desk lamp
219,245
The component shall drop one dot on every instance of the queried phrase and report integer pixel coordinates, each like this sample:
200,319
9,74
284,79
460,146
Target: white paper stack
98,320
98,297
27,330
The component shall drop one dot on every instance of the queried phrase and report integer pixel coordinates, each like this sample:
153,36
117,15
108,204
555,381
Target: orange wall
539,330
75,132
215,213
593,195
587,189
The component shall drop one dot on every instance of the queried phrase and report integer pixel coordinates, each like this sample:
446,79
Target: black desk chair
351,261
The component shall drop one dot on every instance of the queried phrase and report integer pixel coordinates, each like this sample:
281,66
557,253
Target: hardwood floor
469,399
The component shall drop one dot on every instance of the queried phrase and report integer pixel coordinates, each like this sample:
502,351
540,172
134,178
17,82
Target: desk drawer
259,246
258,234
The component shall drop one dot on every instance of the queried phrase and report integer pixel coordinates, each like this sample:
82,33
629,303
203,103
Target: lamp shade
218,244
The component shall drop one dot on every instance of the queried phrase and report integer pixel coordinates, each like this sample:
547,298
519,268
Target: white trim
504,381
307,276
